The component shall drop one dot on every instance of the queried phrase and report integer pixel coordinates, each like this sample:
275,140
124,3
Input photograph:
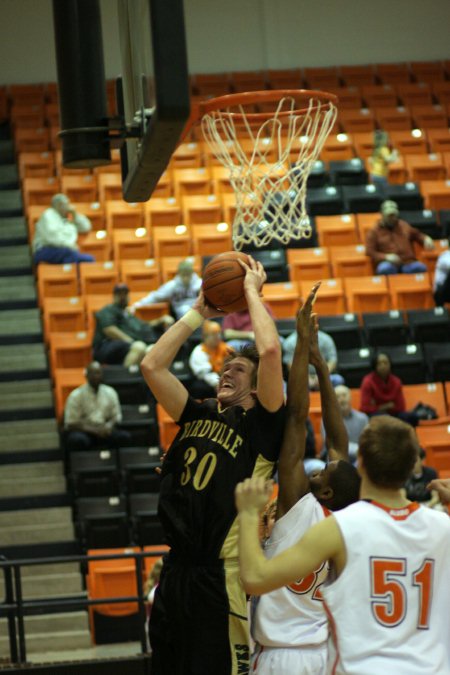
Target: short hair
389,450
186,265
345,483
250,353
376,357
59,198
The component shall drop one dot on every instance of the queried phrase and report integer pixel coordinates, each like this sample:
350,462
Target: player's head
61,203
237,382
185,271
94,374
121,294
211,334
388,450
336,486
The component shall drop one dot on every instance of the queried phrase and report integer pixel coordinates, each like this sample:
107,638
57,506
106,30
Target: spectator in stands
181,291
354,422
382,392
441,284
390,243
328,351
207,359
382,156
416,487
237,328
120,337
92,413
55,239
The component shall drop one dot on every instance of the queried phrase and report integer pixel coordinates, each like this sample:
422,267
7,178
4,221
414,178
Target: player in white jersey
389,603
289,625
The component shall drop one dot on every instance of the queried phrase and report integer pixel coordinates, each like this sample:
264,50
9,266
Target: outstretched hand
305,316
255,275
253,494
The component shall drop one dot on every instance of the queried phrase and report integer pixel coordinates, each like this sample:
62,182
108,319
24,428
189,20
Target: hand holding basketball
205,309
255,275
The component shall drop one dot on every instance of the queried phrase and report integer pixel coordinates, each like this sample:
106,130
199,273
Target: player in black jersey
199,617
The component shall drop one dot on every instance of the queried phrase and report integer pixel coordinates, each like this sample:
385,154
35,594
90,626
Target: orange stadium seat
337,230
63,315
288,78
431,393
191,182
221,179
414,93
36,164
408,144
122,215
441,91
159,211
52,117
367,294
350,261
410,291
425,167
349,97
363,142
282,298
427,71
365,222
211,239
379,95
70,350
66,380
171,241
94,211
80,188
164,186
38,190
131,245
97,244
26,94
187,156
436,194
393,119
57,281
109,187
357,75
393,73
140,275
168,429
429,116
308,263
321,77
436,442
32,140
330,298
337,147
429,258
93,304
439,139
228,202
357,121
98,278
201,210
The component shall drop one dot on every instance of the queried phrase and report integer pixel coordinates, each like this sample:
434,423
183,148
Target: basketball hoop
269,141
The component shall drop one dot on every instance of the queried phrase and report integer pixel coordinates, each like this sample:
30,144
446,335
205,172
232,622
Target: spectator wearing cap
56,236
207,359
390,242
181,291
120,337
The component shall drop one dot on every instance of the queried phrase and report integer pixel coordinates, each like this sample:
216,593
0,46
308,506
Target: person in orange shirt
206,360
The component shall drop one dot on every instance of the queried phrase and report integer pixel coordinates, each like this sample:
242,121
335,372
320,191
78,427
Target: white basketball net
269,162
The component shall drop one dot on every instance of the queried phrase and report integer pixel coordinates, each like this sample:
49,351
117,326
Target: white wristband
193,319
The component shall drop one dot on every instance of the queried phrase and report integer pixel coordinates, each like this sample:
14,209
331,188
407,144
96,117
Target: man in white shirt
55,239
181,291
354,421
207,359
91,414
441,282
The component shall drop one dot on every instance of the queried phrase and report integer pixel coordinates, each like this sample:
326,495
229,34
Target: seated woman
382,392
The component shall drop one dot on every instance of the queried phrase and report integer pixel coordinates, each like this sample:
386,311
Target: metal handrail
15,608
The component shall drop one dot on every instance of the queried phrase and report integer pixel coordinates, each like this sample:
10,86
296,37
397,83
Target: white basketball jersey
390,606
293,616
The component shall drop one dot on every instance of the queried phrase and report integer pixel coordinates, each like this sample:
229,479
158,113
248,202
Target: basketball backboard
155,89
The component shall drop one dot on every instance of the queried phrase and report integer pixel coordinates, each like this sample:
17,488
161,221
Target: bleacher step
13,231
20,325
26,487
28,435
52,585
52,623
15,535
24,291
26,394
53,642
11,203
9,177
32,470
48,516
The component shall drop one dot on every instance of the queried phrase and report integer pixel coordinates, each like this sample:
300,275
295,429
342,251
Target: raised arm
335,431
293,481
166,388
259,574
270,376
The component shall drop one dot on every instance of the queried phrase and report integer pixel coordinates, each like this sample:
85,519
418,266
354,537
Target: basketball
223,282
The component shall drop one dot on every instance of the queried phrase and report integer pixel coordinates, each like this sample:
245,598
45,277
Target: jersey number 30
203,472
392,591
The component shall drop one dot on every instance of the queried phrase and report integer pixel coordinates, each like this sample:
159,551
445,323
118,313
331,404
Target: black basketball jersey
213,451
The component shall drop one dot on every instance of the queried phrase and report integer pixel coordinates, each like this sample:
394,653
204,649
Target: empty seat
32,140
70,350
186,156
393,118
63,315
159,211
308,263
424,220
367,294
429,116
132,244
438,361
36,164
191,182
211,239
407,196
356,121
408,362
57,281
439,139
171,241
337,230
140,275
128,383
354,364
410,291
393,72
379,95
325,201
350,261
94,473
145,522
362,198
201,209
97,244
80,188
348,172
425,167
123,215
274,263
385,328
337,147
98,278
139,469
344,329
37,190
282,298
408,141
109,187
429,325
140,422
436,194
102,522
414,93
